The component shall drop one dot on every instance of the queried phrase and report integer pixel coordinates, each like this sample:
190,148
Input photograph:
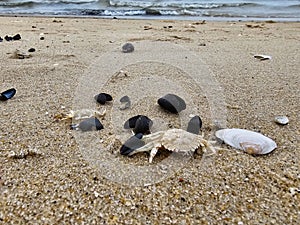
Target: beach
47,177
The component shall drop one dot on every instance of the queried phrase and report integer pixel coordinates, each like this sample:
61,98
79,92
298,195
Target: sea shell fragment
262,57
125,102
282,120
8,94
249,141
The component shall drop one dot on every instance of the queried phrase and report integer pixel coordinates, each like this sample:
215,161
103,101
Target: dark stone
16,37
172,103
194,125
127,48
1,39
8,38
143,125
90,124
8,94
102,98
132,144
42,38
139,124
31,50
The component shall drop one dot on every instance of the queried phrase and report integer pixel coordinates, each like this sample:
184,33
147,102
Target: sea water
173,9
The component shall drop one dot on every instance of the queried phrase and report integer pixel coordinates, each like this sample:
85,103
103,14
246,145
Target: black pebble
172,103
5,95
102,98
132,144
8,38
1,39
90,124
194,125
42,38
31,50
16,37
139,124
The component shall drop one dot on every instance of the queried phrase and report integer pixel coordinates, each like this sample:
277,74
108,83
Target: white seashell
248,141
283,120
262,57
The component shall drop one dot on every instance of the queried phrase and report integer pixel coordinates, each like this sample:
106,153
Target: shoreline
158,18
62,181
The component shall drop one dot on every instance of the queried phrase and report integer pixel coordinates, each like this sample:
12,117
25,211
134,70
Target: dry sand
59,185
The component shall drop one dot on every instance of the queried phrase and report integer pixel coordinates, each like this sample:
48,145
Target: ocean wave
185,5
33,3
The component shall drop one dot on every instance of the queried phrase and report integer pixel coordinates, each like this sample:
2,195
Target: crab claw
132,144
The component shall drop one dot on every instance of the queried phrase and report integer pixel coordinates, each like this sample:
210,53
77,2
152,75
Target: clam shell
282,120
172,103
132,144
102,98
8,94
248,141
127,48
90,124
194,125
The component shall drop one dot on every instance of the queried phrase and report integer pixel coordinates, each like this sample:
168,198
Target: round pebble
127,48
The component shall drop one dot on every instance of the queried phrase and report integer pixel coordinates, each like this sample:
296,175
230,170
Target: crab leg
152,154
208,146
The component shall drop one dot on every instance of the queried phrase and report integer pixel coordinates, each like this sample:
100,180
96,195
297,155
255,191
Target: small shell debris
24,153
125,103
262,57
282,120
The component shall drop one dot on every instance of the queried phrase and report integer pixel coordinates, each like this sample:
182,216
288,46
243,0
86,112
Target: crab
80,114
174,140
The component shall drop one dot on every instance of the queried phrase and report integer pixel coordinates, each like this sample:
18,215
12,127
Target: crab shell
178,140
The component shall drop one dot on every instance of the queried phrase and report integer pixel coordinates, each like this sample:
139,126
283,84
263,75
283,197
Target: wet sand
58,180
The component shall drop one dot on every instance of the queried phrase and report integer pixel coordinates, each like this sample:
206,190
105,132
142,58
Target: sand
53,175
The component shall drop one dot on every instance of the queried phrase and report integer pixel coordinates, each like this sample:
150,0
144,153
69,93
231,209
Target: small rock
16,37
172,103
132,144
194,125
127,48
102,98
90,124
31,50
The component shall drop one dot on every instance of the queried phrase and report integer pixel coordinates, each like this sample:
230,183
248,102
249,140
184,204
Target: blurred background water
173,9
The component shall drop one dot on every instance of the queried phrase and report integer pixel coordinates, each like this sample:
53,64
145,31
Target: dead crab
80,114
175,140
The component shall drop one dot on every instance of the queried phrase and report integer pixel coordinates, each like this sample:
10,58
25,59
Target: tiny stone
31,50
127,48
